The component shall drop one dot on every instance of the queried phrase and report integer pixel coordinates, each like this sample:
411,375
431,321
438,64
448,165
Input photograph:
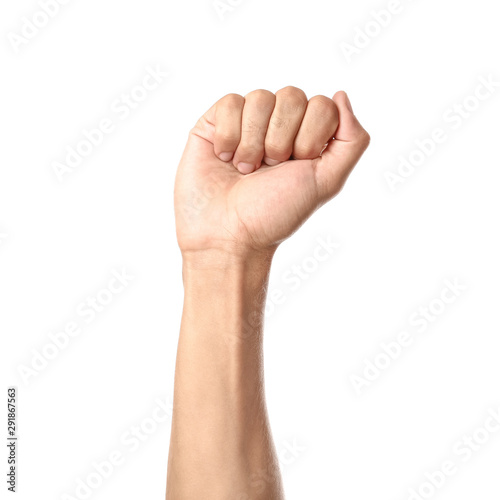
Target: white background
61,241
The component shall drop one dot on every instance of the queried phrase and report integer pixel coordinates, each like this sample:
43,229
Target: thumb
343,152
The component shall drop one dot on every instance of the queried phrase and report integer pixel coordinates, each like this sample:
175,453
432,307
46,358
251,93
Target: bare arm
231,214
220,432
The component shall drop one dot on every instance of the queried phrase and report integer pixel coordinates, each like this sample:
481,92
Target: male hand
255,168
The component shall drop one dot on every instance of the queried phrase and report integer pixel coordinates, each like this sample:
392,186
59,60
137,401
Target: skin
253,170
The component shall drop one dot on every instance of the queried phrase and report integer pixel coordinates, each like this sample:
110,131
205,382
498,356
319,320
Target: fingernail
246,168
270,162
226,156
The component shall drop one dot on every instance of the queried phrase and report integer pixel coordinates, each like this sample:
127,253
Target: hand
255,168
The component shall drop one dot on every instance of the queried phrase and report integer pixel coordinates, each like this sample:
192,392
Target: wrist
213,260
226,277
230,290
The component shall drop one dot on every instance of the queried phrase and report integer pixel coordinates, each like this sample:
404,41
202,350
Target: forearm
221,446
253,170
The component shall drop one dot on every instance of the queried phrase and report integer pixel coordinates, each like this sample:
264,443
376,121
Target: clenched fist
256,167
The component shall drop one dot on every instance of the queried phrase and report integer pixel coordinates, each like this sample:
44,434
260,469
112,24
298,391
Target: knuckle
324,106
252,140
293,95
306,151
261,97
277,151
248,151
232,100
227,137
